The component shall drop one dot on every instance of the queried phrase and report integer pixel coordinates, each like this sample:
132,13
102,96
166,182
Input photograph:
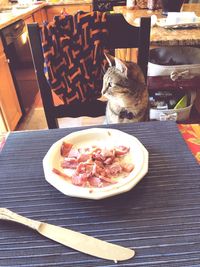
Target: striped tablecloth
159,218
190,133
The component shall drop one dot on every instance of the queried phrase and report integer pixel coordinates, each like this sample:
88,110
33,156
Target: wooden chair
105,5
121,35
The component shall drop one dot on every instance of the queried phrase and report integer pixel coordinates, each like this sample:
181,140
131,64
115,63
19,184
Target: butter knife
78,241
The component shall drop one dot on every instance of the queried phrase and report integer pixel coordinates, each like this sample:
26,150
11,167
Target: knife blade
75,240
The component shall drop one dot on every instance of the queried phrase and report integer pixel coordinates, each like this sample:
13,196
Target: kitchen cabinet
10,110
25,52
29,20
69,9
40,16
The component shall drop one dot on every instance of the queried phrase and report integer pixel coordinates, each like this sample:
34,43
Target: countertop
161,36
15,14
70,2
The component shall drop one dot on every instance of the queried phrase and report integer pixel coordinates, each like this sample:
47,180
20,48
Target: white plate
138,155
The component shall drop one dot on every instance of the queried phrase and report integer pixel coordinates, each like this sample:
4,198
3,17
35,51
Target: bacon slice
114,169
94,166
95,182
84,157
79,179
65,149
73,153
121,150
62,174
69,163
128,167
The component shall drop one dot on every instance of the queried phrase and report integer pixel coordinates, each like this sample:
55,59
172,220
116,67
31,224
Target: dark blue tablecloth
159,218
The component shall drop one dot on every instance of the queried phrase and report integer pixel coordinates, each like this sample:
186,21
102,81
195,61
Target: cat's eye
111,84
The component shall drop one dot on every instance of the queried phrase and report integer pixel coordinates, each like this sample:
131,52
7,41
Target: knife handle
6,214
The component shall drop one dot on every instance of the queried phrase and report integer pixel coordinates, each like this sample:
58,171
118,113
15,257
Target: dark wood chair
121,35
105,5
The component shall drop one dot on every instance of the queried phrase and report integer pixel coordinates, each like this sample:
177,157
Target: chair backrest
127,37
105,5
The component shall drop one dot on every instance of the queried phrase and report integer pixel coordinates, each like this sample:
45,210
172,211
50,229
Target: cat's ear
121,66
110,59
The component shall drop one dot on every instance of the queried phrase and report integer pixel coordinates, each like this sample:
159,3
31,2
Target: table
159,218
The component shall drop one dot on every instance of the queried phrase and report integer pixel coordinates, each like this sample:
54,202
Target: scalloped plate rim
97,193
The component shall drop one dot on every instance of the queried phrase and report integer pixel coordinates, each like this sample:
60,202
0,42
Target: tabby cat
125,88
